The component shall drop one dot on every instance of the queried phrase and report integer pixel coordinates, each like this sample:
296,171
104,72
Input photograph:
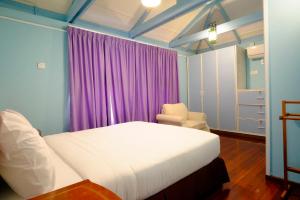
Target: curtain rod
125,38
71,25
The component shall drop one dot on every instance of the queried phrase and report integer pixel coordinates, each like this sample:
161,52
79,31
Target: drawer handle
260,98
261,127
260,113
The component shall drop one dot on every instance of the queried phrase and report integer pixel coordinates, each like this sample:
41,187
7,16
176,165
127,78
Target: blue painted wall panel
284,33
40,94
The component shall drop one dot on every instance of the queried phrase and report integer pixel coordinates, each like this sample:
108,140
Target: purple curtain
114,80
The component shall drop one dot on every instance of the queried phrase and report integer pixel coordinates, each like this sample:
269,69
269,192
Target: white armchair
178,115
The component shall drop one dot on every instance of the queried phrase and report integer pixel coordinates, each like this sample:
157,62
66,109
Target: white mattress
136,159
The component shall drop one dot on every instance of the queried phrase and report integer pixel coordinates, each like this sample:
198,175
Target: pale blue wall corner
284,34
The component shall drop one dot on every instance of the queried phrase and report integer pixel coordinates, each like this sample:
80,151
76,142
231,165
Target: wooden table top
78,191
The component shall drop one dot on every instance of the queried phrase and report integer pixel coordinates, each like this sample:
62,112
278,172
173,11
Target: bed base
197,185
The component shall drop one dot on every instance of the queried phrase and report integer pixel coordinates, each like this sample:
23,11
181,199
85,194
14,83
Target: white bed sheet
136,159
64,174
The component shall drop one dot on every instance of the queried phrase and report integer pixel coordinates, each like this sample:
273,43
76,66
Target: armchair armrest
169,119
197,116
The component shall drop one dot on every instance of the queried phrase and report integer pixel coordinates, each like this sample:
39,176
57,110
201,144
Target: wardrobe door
227,87
195,83
210,88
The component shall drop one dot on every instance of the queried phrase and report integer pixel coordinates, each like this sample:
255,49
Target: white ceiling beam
227,19
166,16
197,18
77,8
142,18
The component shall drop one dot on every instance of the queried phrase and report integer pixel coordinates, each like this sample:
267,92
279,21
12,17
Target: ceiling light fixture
151,3
212,33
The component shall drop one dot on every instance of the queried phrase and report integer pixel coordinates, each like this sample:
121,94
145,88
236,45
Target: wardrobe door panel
252,126
195,83
249,97
227,88
210,88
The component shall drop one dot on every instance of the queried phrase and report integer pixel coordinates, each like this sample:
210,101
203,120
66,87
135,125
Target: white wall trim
237,127
267,86
202,84
218,88
188,80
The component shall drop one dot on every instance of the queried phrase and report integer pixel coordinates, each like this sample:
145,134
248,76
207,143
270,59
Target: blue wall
284,34
254,81
41,95
38,94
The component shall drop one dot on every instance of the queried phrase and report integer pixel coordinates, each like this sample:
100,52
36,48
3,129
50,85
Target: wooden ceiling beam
222,28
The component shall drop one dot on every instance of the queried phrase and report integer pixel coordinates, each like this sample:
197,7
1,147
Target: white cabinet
213,84
195,100
210,87
217,86
227,88
251,117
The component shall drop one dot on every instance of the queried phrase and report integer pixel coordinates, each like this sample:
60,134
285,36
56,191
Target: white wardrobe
214,80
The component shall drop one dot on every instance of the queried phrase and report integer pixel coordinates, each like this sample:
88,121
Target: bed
137,159
140,160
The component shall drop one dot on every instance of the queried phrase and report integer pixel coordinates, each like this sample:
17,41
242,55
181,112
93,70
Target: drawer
252,126
253,112
251,97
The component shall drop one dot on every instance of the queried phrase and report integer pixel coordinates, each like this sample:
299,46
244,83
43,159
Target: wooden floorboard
245,161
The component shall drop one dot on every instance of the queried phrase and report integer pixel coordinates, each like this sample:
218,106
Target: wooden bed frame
197,185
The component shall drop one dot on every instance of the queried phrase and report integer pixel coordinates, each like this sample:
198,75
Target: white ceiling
123,14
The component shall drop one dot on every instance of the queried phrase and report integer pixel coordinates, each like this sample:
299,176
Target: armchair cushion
178,109
169,119
194,124
197,116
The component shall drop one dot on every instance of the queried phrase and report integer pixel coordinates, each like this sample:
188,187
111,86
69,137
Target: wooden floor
245,162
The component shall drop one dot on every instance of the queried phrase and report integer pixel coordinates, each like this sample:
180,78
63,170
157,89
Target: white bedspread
136,159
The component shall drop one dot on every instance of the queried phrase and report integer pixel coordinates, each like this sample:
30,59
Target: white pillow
22,119
25,162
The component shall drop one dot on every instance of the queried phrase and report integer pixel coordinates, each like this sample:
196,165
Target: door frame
267,86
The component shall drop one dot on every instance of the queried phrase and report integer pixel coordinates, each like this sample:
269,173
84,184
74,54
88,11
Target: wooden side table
78,191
